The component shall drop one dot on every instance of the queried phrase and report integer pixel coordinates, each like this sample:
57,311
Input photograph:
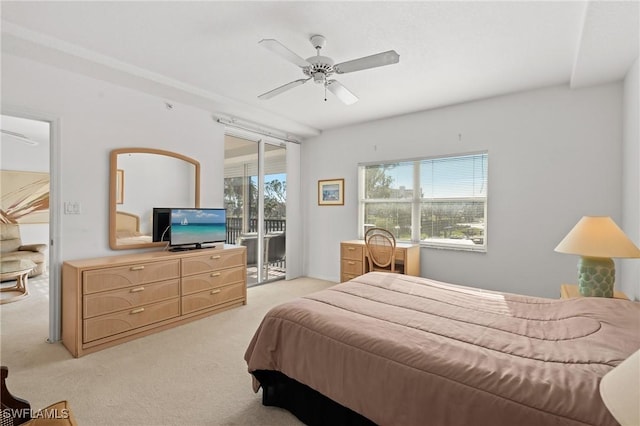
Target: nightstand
568,291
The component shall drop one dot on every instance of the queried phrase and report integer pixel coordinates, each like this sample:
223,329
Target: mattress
402,350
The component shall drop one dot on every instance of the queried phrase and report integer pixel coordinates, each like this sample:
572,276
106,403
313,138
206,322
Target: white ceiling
206,53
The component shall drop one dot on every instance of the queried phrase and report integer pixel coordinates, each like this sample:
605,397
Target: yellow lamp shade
597,236
620,391
597,239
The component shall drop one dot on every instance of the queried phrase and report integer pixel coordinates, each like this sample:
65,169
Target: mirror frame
113,165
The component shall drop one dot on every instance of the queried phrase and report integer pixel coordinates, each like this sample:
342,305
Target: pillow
58,414
38,248
123,233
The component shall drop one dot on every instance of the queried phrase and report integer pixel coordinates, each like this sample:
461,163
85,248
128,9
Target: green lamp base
596,276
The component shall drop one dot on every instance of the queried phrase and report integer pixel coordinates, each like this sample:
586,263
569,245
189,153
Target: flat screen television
195,228
161,224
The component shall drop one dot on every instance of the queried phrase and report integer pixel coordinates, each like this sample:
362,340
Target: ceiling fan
320,68
19,137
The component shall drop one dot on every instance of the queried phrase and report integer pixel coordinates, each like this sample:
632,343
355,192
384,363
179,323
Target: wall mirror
141,179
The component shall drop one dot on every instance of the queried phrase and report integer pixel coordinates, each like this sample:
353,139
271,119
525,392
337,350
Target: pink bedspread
404,350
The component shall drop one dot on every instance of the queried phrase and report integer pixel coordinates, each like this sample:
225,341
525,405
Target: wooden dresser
353,259
111,300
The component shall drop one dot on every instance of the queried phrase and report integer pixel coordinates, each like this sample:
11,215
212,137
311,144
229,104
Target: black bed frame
308,405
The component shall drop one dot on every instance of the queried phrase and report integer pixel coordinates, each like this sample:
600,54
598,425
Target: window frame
416,201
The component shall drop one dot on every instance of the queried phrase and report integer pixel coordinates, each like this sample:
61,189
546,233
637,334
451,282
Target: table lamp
597,239
620,391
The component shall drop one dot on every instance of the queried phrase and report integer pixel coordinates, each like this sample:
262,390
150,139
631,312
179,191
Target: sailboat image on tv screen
197,226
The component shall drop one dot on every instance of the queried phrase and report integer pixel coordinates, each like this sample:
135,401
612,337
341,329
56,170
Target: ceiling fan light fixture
319,77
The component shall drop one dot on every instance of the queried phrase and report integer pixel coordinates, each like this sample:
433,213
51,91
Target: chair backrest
381,249
15,411
277,247
9,237
251,243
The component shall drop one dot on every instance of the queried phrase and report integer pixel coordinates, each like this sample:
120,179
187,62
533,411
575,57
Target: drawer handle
216,291
351,263
215,257
137,311
137,268
351,248
215,274
135,290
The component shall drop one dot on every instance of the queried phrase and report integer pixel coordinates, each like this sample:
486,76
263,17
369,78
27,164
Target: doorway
255,198
25,199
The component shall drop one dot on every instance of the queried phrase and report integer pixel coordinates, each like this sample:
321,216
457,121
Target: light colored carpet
194,374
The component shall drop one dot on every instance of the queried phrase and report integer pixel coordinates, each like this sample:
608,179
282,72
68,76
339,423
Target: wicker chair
381,250
17,411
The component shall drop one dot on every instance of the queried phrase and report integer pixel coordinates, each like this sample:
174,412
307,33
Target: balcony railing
234,227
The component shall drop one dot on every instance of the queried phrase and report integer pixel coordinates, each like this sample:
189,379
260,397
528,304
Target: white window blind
440,202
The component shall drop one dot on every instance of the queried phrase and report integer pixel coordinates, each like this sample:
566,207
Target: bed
393,349
128,229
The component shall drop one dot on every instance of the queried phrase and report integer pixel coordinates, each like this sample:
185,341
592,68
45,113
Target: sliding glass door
255,199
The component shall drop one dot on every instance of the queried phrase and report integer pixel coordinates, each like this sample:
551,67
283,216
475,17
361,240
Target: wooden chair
15,411
381,250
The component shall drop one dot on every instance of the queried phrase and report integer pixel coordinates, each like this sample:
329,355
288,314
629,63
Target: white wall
96,117
554,156
629,276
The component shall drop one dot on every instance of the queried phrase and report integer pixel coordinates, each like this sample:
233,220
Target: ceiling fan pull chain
325,91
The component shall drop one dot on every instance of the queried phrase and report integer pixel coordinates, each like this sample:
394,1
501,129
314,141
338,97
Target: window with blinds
439,202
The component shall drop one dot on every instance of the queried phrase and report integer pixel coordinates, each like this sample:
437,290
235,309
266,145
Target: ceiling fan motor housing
321,67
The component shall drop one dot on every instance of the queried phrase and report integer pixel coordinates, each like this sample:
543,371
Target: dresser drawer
126,276
347,277
209,298
351,251
219,259
108,325
129,298
210,280
352,267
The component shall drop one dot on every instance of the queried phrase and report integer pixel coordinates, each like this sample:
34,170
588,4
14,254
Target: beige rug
193,374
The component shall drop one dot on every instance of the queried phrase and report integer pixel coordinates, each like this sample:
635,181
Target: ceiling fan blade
270,94
279,49
19,137
373,61
341,92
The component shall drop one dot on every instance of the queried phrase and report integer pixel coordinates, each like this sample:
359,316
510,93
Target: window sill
456,247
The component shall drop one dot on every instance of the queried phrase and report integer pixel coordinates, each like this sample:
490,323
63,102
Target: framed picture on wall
24,197
119,186
331,192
